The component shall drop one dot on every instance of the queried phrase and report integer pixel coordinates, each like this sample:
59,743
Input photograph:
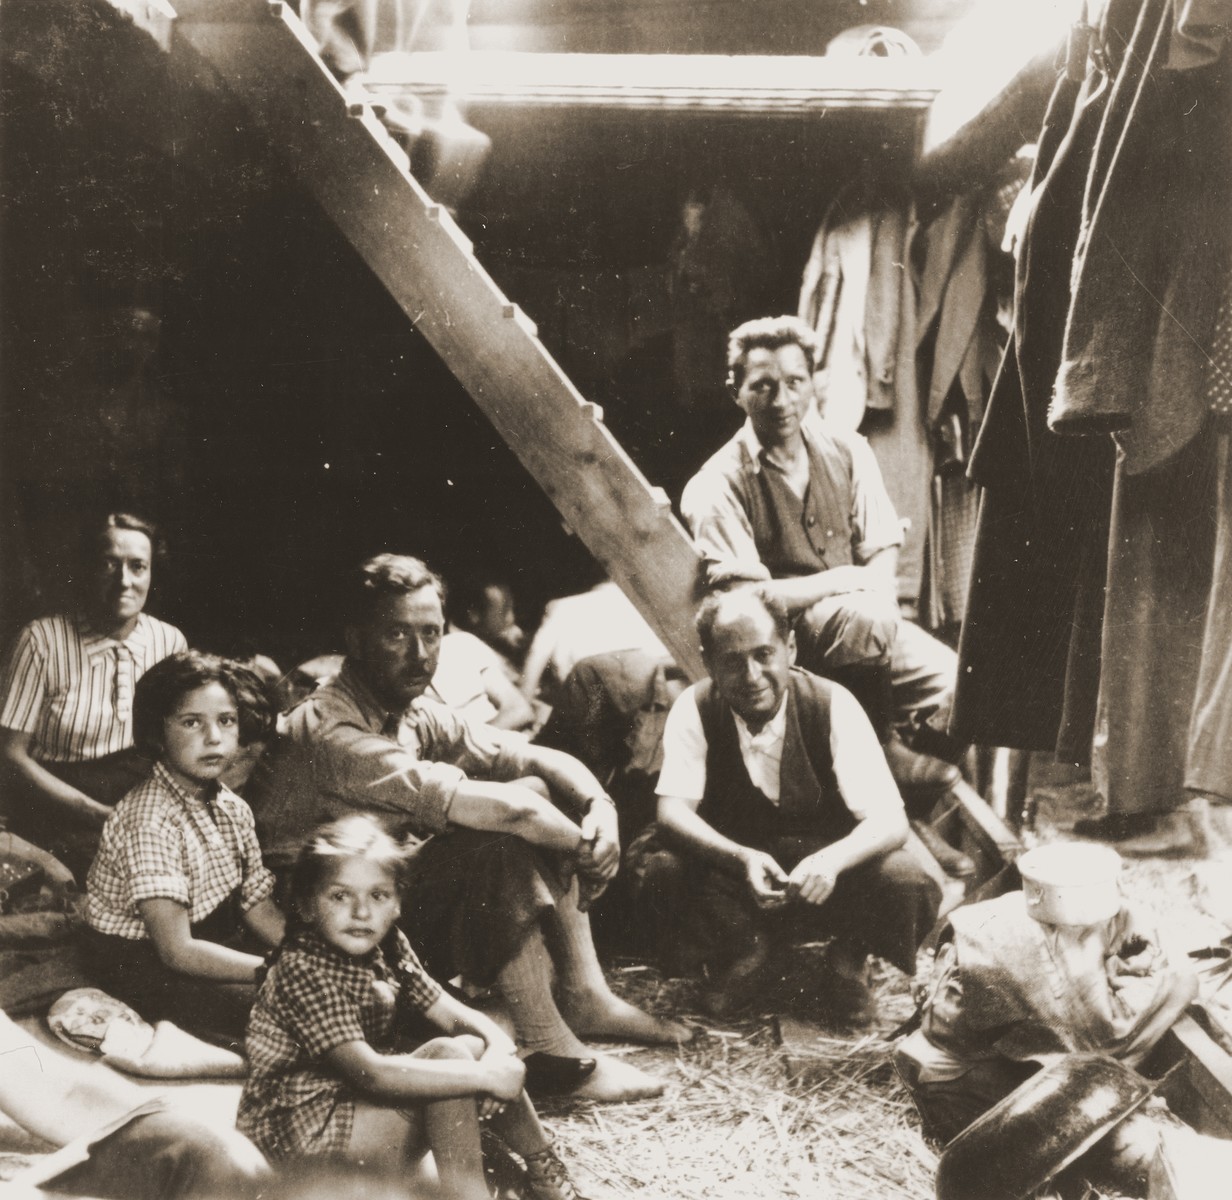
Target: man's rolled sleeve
864,780
471,748
684,751
721,531
369,772
874,522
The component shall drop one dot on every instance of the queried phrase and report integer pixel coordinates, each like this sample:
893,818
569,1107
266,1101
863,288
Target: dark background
284,420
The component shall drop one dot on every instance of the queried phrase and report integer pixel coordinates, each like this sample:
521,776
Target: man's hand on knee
766,879
813,879
600,856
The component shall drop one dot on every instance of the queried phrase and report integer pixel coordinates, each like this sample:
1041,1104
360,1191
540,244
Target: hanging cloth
1200,34
1148,262
1149,275
1209,766
1042,533
834,302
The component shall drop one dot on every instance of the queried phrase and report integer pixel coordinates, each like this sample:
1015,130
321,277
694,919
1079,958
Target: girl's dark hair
357,836
165,684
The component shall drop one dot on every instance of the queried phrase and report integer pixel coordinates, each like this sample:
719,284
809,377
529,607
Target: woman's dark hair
356,836
95,530
166,683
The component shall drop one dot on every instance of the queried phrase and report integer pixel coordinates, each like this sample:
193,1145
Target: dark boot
918,774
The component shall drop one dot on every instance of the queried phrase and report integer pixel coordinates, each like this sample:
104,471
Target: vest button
811,521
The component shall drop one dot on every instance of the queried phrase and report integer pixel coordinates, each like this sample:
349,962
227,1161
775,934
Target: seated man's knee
901,869
869,627
855,629
534,784
901,875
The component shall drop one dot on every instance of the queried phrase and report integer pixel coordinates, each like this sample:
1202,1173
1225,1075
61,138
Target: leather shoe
913,771
954,863
549,1074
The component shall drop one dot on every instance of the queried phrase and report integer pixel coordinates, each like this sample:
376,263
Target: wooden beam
343,157
984,835
741,85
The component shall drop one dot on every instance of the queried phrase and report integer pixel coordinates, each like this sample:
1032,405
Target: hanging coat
833,302
1149,270
1029,649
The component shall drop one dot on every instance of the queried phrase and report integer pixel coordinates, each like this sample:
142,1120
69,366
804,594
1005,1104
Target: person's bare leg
451,1128
518,1125
589,1006
525,984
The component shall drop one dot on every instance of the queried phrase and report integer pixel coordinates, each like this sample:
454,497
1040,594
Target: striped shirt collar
93,643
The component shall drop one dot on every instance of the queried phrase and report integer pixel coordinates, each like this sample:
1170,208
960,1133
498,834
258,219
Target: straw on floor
733,1127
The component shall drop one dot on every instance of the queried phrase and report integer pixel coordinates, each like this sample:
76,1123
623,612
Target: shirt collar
307,938
750,445
752,448
773,731
375,714
177,789
94,643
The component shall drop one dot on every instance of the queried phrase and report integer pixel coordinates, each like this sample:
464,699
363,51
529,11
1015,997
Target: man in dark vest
779,816
800,506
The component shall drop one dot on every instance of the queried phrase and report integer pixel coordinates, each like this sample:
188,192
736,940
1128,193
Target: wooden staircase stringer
342,155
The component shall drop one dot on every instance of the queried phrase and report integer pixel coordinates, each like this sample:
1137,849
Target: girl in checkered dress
178,902
333,1063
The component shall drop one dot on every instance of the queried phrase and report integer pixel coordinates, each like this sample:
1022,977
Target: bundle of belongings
42,972
1041,1002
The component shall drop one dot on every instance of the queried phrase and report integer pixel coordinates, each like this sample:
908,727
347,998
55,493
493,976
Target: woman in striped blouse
66,697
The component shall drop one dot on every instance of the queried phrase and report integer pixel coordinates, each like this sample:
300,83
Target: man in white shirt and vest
778,816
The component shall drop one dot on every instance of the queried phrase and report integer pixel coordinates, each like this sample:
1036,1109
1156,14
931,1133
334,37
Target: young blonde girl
329,1069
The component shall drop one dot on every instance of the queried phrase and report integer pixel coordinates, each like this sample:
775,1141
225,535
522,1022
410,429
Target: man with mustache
490,885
